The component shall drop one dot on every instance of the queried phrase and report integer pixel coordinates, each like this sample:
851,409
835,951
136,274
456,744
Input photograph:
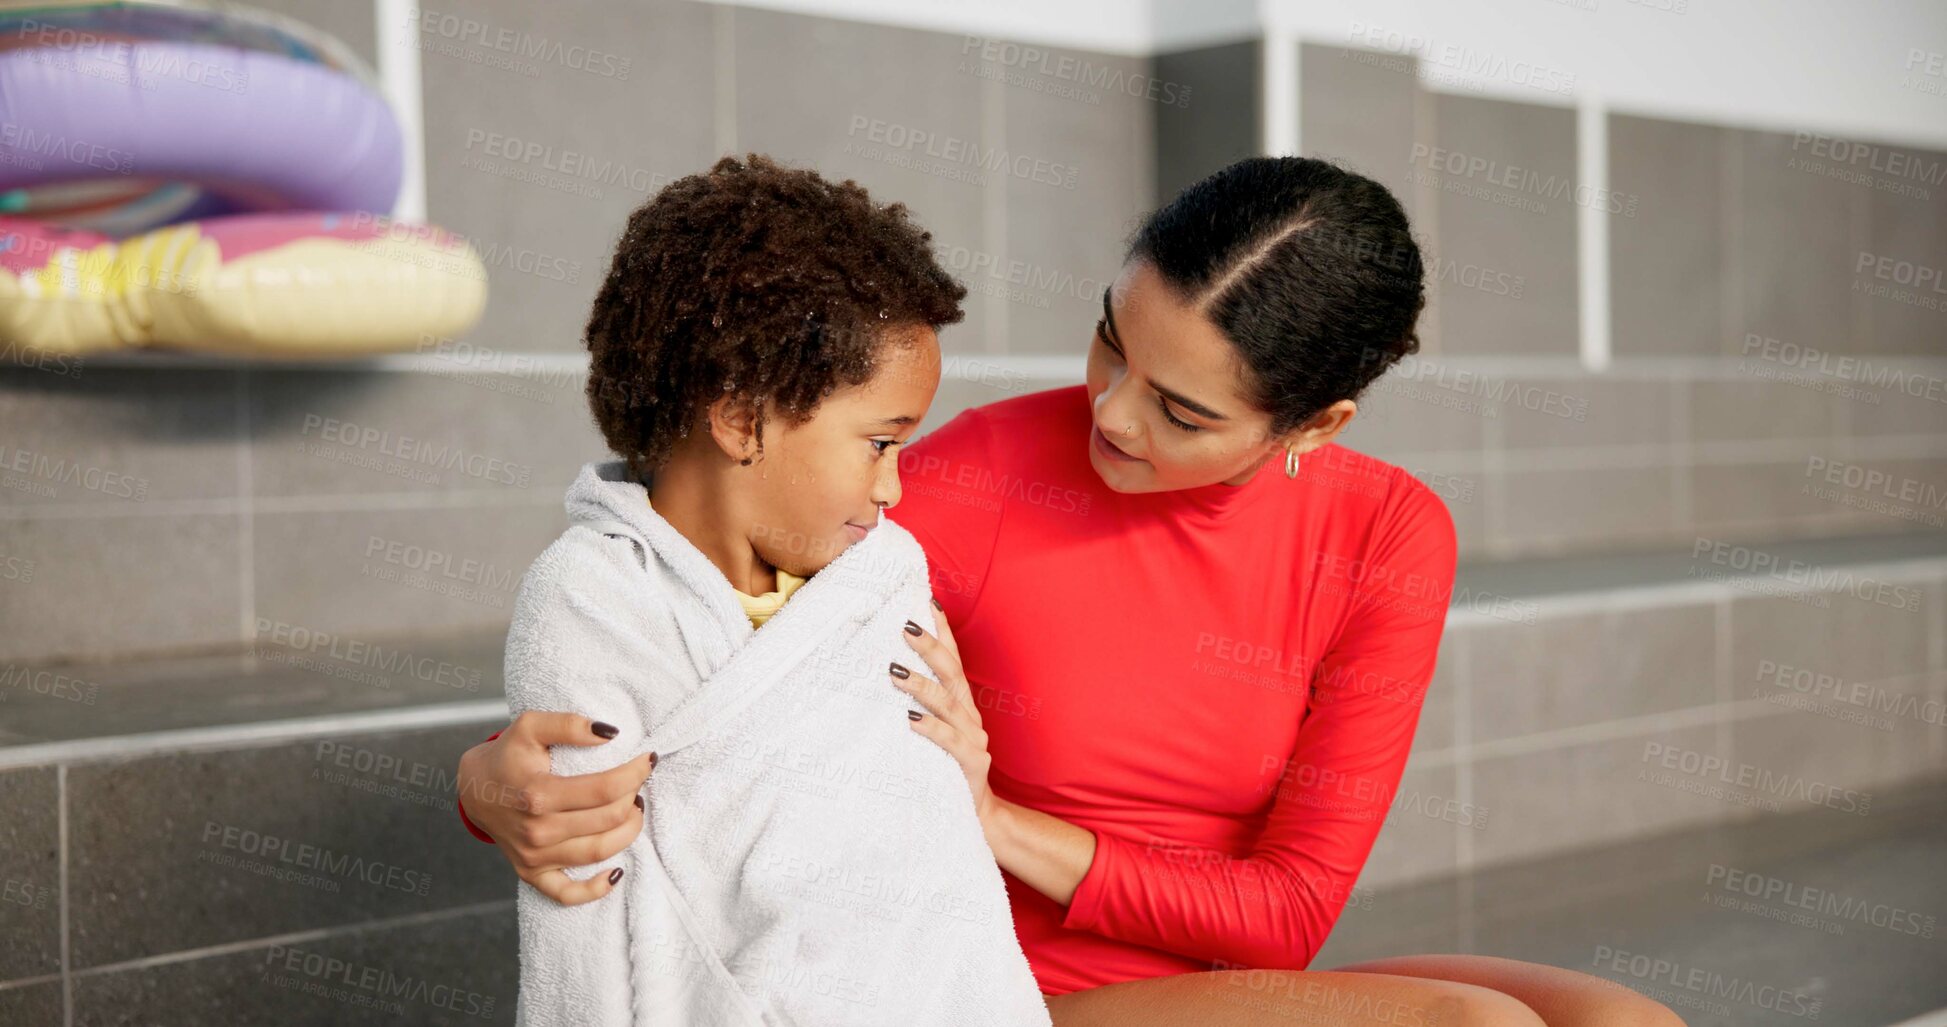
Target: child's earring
1290,462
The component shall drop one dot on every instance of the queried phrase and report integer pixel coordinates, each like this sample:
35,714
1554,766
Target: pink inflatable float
208,179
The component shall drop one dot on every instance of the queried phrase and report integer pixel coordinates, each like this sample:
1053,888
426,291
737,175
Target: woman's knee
1607,1004
1469,1005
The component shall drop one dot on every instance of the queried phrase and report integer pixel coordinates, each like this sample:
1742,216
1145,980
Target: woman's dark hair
1309,269
756,279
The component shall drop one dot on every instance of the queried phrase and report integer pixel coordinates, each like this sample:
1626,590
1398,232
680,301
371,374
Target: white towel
808,858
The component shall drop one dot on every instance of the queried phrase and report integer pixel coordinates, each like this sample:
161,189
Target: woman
1182,685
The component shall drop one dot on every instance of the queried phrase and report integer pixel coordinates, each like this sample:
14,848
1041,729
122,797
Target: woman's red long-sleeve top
1221,683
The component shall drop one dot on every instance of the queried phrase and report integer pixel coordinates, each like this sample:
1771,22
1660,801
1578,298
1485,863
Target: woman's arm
548,790
542,822
1273,906
1051,855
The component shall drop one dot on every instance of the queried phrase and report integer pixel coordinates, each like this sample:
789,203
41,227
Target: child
730,598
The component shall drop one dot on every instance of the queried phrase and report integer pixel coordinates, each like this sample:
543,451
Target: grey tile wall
211,886
1503,175
1795,251
1589,668
174,509
1576,796
1220,123
539,160
1066,242
1667,261
1362,110
30,877
813,91
1905,231
1726,245
457,969
108,587
156,511
171,852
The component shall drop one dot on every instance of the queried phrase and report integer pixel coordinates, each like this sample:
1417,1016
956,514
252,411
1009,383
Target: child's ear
733,424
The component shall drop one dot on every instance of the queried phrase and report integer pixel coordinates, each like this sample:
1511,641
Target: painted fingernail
900,672
652,761
615,875
913,715
911,628
605,730
936,604
638,804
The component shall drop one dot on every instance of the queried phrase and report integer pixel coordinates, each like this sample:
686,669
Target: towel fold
807,858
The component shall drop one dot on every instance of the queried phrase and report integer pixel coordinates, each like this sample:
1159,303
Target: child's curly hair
757,279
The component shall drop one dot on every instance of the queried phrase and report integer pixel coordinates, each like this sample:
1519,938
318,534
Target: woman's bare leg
1290,998
1563,998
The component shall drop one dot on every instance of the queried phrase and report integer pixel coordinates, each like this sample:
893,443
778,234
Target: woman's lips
1108,449
857,533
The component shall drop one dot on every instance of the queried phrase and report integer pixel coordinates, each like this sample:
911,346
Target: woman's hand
955,721
542,822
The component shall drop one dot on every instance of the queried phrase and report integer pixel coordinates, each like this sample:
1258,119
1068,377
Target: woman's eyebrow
1108,318
1174,396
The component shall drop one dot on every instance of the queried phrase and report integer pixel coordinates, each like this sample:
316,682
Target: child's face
820,484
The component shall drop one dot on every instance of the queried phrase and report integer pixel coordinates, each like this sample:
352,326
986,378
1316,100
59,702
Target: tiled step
1847,914
1577,701
281,847
155,796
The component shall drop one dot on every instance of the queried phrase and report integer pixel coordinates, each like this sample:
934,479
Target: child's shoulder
584,561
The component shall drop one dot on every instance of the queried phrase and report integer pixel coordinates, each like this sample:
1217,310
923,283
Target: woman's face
1168,394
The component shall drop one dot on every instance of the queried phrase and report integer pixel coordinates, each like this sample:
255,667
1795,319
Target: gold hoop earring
1290,462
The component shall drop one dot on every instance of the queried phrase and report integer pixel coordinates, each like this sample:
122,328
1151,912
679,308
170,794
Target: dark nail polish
638,804
652,761
913,715
901,672
615,875
605,730
936,604
911,628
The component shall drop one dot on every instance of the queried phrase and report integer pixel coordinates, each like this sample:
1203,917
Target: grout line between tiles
1592,235
1621,728
1722,619
255,735
1463,732
480,499
296,937
1730,237
1463,729
546,365
1662,593
67,948
247,516
993,210
1683,456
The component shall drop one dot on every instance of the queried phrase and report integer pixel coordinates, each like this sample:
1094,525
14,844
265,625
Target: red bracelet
470,826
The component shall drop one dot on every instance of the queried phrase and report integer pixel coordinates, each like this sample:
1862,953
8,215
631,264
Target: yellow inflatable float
208,178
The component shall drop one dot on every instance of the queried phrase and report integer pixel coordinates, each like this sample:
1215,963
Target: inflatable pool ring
291,284
218,190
